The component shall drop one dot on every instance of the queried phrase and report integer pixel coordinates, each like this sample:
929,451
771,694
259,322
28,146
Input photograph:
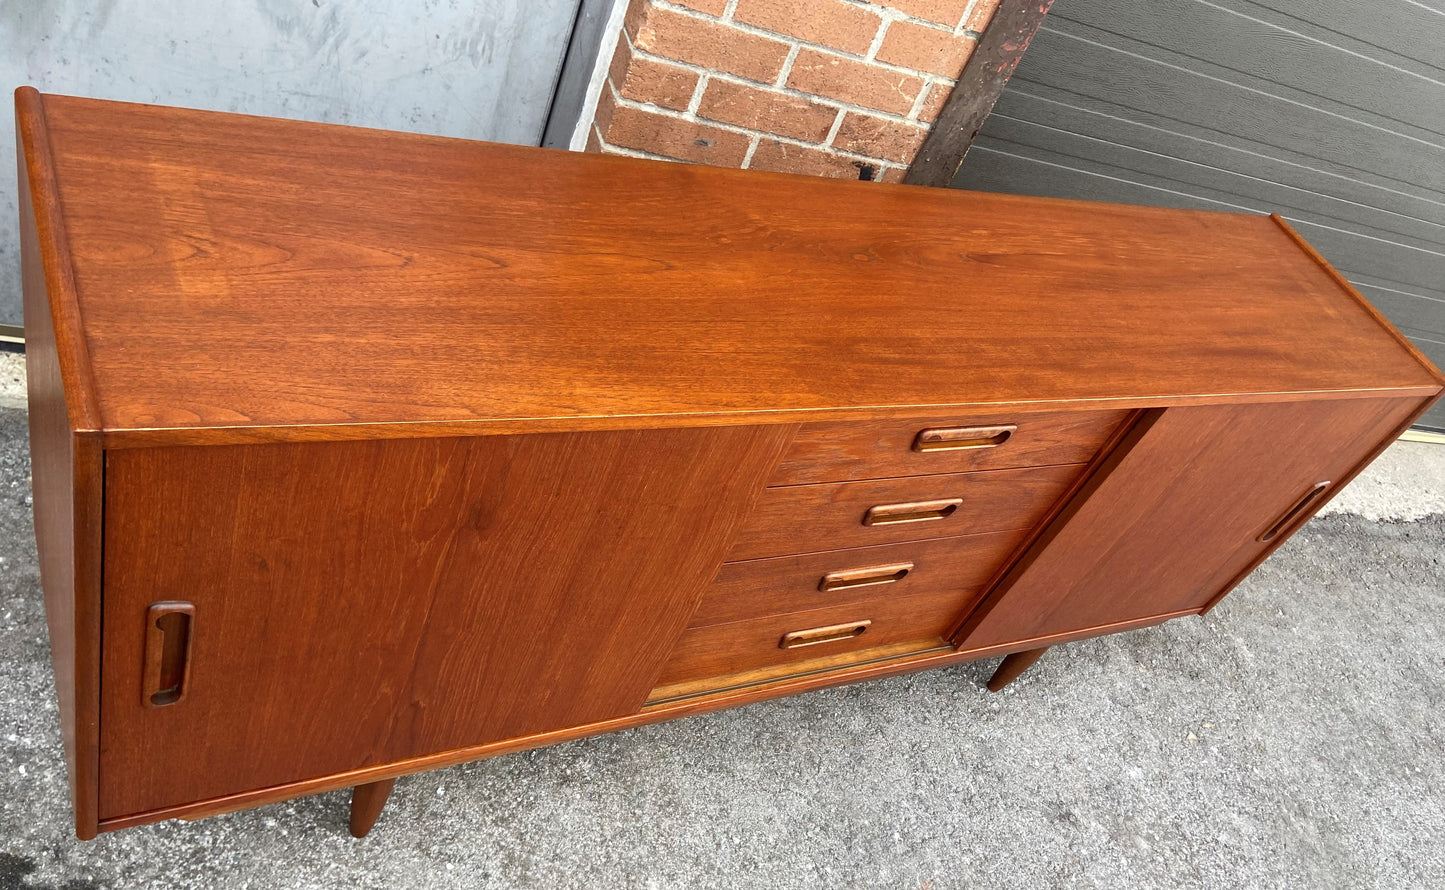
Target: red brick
709,44
829,22
857,82
606,105
937,95
944,12
637,11
766,111
671,137
711,7
645,79
980,17
783,157
925,49
593,144
893,174
878,137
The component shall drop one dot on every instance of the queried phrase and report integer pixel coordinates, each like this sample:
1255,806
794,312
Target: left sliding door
279,612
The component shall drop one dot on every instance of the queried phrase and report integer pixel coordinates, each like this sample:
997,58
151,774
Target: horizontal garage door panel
1274,179
1328,112
1419,311
1274,54
1117,71
1403,30
1414,262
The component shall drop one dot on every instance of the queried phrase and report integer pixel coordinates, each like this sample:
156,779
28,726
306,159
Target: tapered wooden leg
366,804
1013,666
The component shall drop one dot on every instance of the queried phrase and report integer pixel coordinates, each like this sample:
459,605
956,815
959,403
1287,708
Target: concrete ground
1294,738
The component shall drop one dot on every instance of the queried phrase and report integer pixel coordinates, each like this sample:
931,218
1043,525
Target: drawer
843,451
758,588
723,649
806,518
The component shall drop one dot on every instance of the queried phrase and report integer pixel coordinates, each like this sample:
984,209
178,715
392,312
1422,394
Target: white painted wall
611,33
479,69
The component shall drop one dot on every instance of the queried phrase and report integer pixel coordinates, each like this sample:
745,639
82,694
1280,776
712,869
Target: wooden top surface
237,271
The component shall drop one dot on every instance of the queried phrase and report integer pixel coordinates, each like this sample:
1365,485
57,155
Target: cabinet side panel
1178,514
361,603
65,469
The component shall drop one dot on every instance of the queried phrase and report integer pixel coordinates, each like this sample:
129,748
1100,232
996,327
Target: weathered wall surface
480,69
839,88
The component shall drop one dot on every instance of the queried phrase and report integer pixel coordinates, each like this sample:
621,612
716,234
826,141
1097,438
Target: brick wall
828,87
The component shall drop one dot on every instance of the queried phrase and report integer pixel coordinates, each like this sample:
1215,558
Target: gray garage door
479,70
1329,112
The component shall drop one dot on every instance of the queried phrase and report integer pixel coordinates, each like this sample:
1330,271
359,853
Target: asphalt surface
1294,738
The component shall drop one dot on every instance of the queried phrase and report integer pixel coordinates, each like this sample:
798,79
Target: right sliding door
1187,502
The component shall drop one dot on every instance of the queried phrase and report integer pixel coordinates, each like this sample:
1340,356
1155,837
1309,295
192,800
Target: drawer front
843,451
722,649
808,518
762,587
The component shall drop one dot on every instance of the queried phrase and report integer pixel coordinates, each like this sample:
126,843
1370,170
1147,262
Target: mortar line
744,131
783,38
714,74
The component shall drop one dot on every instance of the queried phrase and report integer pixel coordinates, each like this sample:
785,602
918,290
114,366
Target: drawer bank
360,453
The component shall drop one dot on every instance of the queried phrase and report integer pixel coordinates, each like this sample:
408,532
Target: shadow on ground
1293,738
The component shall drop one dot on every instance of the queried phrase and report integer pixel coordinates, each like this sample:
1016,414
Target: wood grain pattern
807,518
824,666
761,587
65,460
522,286
1175,515
840,452
1090,474
1132,100
361,603
904,660
379,595
724,649
1340,484
849,668
1365,304
51,260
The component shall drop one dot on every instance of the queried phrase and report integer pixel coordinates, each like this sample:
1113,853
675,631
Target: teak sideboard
360,453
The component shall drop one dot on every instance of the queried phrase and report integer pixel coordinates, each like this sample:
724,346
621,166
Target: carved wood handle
1300,506
865,577
953,438
170,626
831,633
917,511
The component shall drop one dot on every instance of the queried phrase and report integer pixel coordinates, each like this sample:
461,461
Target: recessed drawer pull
830,634
865,577
918,511
170,626
1300,506
954,438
